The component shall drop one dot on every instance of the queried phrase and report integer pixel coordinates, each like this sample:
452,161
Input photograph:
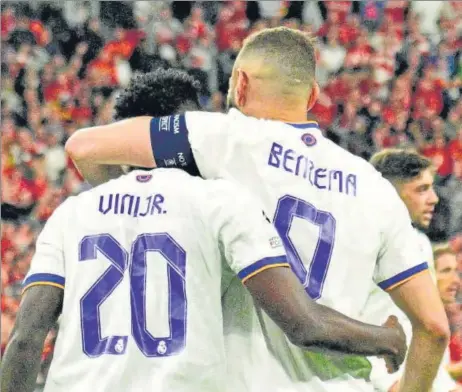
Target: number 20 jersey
140,262
342,224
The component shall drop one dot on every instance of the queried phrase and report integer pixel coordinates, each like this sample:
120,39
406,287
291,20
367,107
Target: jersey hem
305,125
60,286
403,277
43,279
261,265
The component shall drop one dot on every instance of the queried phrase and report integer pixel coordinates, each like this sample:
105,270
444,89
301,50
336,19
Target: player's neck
272,112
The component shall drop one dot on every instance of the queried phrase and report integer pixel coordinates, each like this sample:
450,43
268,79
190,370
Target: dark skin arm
38,313
312,326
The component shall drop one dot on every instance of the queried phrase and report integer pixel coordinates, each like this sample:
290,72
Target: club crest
309,139
143,177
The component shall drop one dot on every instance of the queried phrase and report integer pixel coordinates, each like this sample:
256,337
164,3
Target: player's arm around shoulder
147,142
95,150
254,251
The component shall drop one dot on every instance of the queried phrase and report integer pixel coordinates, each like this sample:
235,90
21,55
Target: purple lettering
116,204
297,168
158,199
319,174
101,202
137,206
276,151
288,156
130,204
148,206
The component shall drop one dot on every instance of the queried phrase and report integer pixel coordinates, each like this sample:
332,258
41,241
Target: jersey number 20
289,207
94,345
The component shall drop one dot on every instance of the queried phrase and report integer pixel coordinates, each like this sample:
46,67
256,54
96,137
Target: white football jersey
342,224
140,261
379,306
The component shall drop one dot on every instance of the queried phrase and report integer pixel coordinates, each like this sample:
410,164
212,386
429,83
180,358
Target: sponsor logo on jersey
309,139
143,177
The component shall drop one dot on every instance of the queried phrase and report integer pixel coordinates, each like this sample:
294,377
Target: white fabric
171,231
331,207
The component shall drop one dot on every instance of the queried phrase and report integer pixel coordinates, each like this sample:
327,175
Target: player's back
142,306
332,209
327,204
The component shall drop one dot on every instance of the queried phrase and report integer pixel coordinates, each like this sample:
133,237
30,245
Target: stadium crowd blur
390,74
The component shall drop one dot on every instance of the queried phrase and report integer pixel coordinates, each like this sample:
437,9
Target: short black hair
400,164
157,93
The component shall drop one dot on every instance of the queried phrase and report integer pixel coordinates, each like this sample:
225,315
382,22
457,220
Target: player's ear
313,96
240,93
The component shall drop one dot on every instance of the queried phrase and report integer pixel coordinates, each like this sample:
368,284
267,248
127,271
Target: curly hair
400,164
158,93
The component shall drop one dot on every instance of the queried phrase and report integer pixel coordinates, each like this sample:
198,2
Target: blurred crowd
390,74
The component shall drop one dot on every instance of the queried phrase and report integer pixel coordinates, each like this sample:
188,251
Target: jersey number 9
94,345
289,207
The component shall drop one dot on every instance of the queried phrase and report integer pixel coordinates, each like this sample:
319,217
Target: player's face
420,198
447,277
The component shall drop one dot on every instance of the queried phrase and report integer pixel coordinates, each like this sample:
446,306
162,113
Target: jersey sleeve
47,266
400,256
247,239
194,142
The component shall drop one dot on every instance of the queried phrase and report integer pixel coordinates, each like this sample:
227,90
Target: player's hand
393,362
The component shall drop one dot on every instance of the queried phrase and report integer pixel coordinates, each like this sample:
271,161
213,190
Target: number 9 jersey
342,224
141,260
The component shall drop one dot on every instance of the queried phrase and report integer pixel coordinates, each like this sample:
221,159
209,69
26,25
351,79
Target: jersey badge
162,347
309,139
120,347
143,177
